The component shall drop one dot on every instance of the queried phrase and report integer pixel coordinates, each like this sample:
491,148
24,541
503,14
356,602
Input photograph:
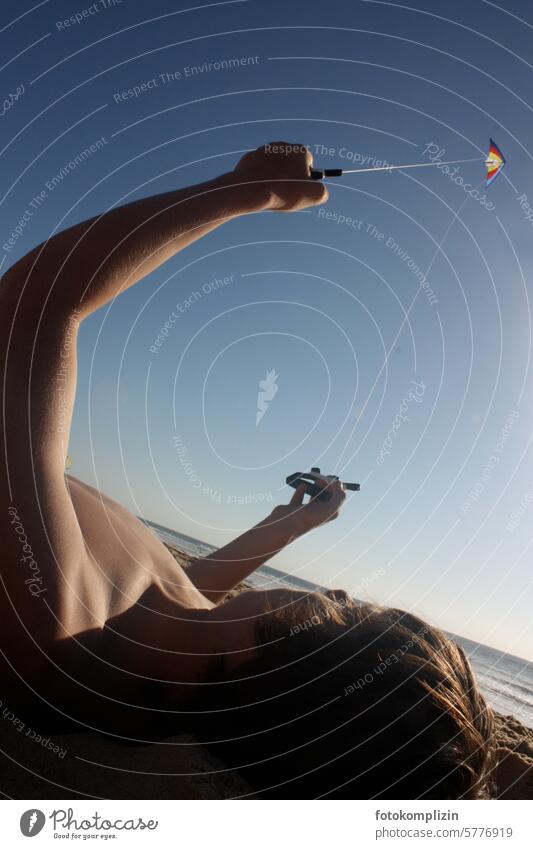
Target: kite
494,163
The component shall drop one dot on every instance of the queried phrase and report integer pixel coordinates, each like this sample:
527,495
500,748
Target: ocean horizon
505,680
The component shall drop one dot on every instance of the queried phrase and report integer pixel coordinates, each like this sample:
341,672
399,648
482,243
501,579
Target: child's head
351,700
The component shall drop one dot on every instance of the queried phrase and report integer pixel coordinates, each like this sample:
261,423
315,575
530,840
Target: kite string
414,165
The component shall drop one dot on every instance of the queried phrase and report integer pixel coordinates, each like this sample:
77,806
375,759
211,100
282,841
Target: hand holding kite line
283,170
494,163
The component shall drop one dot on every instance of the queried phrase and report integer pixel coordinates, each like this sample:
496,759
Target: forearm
87,265
219,572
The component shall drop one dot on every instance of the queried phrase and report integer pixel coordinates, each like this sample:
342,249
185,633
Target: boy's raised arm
87,265
222,570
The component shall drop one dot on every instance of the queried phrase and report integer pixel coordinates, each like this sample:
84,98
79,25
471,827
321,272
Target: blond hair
364,702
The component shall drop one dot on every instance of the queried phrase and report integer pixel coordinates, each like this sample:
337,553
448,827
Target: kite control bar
320,173
317,483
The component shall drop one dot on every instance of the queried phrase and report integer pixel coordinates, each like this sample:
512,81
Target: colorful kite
494,162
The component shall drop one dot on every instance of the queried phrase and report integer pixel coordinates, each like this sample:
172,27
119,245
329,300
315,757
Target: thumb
298,496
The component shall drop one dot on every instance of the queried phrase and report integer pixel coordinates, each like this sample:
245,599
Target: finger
338,489
342,492
299,493
337,495
340,499
332,487
323,495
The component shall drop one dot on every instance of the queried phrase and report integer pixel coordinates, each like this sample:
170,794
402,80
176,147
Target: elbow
33,289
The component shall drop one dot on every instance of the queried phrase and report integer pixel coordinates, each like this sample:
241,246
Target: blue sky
424,399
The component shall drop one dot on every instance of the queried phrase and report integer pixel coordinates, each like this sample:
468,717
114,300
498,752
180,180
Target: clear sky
422,393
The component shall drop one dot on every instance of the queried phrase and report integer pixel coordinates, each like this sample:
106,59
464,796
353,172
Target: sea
505,680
